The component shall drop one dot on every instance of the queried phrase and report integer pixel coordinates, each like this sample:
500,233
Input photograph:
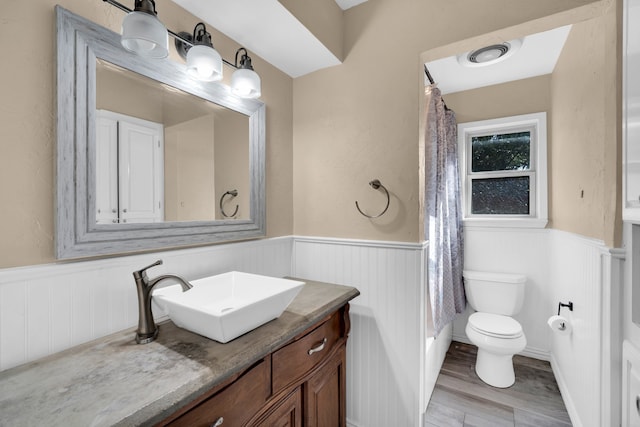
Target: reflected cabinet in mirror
164,154
147,157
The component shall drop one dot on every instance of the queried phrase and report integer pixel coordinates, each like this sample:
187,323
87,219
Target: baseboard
461,338
566,396
536,353
532,352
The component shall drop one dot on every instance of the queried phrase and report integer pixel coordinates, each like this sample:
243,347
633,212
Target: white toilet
495,297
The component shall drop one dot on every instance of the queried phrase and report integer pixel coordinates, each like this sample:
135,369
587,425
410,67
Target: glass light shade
204,63
144,34
246,83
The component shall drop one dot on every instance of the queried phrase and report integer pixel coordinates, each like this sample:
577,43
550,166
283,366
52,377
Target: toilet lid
495,325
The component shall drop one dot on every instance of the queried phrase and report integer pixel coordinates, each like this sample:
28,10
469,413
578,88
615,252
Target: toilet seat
495,325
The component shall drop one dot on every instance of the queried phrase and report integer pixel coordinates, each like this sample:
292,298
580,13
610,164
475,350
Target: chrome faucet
147,329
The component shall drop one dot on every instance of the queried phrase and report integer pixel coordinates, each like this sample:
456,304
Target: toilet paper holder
561,304
569,305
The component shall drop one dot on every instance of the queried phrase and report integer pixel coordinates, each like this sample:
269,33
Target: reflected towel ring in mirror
232,193
376,184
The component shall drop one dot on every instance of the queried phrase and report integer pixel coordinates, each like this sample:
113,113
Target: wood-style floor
460,398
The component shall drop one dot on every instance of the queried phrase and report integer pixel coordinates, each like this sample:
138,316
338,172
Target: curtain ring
232,193
376,184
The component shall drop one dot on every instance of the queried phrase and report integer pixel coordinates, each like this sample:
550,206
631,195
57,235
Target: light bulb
143,45
204,63
246,83
144,34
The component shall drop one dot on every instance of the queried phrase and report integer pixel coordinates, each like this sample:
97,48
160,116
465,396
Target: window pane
500,196
500,152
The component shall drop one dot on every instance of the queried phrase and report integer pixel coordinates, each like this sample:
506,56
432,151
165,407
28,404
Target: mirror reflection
166,155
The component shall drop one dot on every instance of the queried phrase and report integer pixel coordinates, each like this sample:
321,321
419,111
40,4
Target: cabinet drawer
234,404
294,360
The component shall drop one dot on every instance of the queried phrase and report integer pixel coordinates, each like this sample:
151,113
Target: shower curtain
443,213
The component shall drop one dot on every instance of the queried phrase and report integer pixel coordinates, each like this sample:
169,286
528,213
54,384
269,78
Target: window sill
505,222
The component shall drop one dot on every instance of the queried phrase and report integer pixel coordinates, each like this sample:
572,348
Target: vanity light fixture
144,34
245,82
203,61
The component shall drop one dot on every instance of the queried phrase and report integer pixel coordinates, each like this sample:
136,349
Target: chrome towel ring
232,193
376,184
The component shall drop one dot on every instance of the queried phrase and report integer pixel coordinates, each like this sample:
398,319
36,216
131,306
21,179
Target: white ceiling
268,29
537,56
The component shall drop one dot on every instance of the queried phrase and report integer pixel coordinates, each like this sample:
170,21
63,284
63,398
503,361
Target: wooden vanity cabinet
302,383
286,412
325,394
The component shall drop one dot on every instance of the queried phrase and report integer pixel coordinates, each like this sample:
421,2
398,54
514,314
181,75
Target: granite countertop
114,381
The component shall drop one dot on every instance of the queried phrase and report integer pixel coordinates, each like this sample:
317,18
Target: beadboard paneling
391,363
387,345
587,273
562,266
48,308
576,276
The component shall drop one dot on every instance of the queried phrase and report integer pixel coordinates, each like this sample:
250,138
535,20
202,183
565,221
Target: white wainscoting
392,365
387,376
514,250
45,309
587,362
562,267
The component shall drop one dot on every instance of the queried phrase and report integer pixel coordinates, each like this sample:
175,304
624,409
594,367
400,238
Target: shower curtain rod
426,71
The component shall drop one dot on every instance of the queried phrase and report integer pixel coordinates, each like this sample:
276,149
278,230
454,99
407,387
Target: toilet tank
497,293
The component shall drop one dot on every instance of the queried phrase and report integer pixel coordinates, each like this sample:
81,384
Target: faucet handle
142,271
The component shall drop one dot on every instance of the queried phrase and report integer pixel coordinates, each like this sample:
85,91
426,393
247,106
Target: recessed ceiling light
489,55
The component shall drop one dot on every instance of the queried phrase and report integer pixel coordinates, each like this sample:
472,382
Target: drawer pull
317,348
218,423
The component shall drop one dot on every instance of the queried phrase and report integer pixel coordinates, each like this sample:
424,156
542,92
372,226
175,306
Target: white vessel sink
225,306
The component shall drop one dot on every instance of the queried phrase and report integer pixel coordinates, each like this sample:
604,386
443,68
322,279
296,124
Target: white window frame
537,124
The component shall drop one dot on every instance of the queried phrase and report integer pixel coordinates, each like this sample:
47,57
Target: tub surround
113,381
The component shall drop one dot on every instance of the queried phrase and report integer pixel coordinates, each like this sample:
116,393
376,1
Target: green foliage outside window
500,196
506,151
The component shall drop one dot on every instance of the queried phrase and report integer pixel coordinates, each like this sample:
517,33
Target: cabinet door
106,170
325,394
287,413
140,172
129,169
